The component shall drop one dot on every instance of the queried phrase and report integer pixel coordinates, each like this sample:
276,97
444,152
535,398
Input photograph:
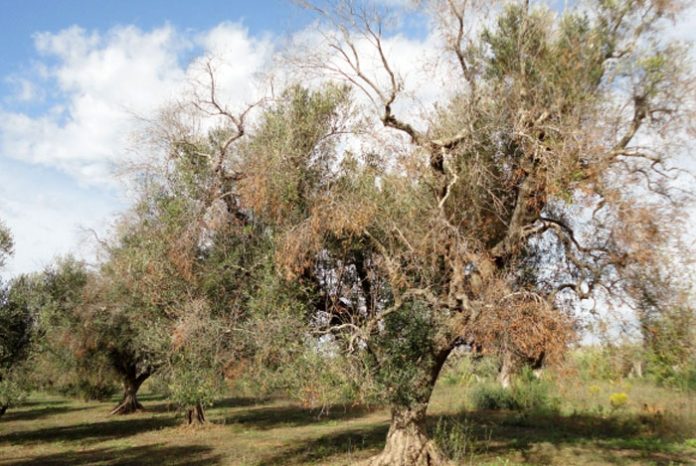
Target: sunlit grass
245,431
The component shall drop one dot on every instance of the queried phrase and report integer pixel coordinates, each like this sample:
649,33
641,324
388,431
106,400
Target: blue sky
47,204
22,19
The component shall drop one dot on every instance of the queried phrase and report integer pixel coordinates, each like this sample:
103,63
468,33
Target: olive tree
16,328
537,186
17,317
71,343
190,251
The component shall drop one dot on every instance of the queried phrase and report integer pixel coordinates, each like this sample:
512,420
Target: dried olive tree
547,176
191,252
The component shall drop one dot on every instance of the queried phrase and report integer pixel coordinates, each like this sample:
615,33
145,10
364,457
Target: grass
49,430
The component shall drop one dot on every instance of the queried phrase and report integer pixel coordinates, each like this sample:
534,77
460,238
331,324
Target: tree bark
129,403
407,440
507,369
195,415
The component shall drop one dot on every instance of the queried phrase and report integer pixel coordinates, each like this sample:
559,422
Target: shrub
12,390
618,400
493,396
461,371
680,376
189,387
527,394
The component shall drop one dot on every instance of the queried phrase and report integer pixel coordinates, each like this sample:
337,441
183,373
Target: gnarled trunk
129,403
195,415
407,440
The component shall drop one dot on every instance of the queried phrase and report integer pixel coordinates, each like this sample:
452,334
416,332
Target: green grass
49,430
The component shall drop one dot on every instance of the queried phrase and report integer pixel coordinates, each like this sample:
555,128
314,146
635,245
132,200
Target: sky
76,77
73,77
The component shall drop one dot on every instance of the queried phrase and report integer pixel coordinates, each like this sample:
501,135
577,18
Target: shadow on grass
359,441
233,402
143,455
271,417
44,402
120,427
538,438
240,402
37,413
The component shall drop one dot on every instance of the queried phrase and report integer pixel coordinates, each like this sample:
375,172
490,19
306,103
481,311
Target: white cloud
423,69
104,80
24,90
47,216
96,83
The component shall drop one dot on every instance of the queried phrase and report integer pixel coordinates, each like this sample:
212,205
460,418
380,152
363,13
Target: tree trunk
407,440
129,403
507,369
3,409
195,415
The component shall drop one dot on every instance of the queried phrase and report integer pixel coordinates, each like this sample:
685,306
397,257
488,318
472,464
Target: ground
50,430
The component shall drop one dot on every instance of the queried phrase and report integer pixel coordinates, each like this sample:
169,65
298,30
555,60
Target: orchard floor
49,430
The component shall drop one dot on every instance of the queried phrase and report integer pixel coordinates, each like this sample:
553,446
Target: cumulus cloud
104,80
56,164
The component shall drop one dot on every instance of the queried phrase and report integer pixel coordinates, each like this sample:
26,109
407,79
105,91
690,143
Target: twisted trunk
131,384
195,415
407,440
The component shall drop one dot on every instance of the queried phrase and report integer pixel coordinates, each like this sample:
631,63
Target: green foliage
290,158
191,385
596,363
6,244
407,337
458,371
681,375
17,317
78,340
527,394
670,355
13,387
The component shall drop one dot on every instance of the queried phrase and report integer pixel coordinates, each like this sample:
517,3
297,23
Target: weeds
457,439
